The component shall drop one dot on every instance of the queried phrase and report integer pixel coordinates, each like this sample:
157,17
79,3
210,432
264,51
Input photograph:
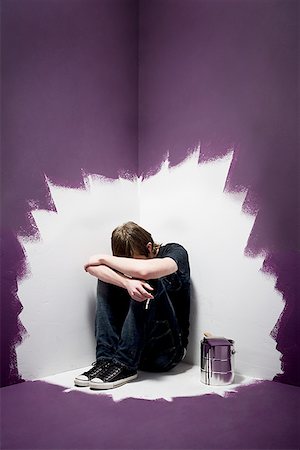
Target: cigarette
147,303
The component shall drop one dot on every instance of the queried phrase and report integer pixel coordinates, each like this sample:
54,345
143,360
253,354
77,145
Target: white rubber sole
81,383
97,385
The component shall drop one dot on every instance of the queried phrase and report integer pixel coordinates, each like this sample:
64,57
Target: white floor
182,381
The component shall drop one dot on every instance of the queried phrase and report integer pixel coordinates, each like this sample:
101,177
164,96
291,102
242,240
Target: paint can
217,361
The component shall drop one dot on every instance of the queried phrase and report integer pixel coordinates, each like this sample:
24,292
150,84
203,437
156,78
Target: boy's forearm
108,275
144,269
129,266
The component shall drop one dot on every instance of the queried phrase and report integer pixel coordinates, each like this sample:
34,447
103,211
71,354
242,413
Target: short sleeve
178,253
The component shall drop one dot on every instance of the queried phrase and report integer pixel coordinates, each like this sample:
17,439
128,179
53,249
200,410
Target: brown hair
130,238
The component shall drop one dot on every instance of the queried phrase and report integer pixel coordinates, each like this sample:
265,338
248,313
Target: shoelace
97,365
112,371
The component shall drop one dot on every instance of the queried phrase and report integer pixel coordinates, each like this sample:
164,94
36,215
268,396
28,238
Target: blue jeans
133,335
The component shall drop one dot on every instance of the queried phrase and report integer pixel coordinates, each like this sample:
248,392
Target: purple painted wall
224,73
69,102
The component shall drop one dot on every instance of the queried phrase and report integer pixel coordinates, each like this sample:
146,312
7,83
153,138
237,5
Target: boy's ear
149,247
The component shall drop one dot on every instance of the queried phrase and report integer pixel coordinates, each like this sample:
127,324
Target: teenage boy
143,305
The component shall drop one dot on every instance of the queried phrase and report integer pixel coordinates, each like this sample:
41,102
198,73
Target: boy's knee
109,289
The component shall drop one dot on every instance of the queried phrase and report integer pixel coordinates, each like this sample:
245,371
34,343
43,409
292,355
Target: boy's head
132,241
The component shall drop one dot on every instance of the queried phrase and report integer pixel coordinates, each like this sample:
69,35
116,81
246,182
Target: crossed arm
130,273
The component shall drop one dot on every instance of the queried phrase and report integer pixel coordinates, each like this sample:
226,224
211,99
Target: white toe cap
96,380
82,378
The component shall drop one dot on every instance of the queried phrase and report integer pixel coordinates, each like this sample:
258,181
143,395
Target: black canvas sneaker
115,375
97,369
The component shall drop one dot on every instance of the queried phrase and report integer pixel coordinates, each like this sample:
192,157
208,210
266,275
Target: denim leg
150,337
132,336
112,308
163,345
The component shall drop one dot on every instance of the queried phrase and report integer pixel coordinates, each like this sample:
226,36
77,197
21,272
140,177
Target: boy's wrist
125,282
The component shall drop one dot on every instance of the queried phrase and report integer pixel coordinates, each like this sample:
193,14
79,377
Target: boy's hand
138,290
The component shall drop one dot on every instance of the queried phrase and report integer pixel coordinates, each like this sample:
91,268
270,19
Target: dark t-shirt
178,285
